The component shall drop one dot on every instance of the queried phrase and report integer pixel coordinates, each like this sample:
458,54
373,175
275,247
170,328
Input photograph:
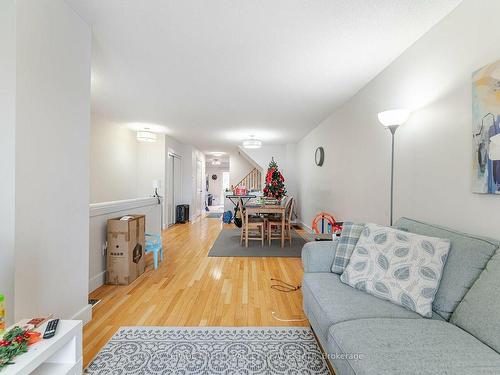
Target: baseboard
304,225
97,281
85,314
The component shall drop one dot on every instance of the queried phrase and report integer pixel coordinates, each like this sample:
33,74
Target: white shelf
62,354
57,368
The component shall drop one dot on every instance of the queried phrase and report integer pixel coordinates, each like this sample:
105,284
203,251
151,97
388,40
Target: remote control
50,331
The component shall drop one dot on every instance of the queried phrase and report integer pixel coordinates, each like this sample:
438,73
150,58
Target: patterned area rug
211,350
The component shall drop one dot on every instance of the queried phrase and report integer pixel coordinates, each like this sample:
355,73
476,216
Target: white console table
62,354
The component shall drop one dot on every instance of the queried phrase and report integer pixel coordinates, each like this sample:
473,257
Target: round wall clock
214,177
319,156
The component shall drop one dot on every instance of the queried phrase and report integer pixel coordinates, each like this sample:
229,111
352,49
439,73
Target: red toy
330,220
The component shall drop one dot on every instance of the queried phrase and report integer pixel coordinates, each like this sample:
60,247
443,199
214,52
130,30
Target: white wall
291,169
262,156
433,150
150,166
113,161
239,167
52,154
7,152
120,166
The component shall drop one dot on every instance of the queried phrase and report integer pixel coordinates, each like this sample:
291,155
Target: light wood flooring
190,289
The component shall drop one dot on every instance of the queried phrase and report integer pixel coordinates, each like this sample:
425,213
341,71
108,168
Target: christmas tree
275,187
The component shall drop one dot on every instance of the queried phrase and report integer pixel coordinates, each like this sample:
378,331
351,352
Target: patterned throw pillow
347,242
402,267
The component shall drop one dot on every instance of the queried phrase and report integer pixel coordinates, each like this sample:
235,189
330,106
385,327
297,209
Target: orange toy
321,218
33,337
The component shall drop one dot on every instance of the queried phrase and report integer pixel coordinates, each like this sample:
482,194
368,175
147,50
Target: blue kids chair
153,245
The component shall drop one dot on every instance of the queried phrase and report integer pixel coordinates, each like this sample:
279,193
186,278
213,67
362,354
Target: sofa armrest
318,256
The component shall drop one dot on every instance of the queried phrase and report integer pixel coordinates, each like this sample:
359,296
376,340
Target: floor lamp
392,120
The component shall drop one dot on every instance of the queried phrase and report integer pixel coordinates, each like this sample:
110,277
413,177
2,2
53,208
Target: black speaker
182,213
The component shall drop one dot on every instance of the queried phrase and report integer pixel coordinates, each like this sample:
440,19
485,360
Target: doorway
174,187
199,201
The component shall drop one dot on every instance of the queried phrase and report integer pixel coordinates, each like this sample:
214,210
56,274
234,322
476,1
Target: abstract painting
486,129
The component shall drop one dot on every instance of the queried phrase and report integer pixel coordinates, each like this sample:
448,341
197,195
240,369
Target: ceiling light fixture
145,136
215,162
147,127
252,143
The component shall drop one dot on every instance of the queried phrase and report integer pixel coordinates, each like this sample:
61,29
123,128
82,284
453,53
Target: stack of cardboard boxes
126,245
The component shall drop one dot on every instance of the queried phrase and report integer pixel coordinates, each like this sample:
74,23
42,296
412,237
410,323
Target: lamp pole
392,119
392,129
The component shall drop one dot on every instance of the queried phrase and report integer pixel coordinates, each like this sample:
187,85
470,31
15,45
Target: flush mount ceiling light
147,127
145,136
252,143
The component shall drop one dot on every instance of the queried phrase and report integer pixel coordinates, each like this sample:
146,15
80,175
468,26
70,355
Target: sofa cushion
467,258
346,243
479,311
317,256
404,268
408,346
330,301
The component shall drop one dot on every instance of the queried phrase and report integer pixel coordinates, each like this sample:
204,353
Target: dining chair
251,229
274,225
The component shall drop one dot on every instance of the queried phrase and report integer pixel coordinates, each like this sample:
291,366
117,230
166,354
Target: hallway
190,289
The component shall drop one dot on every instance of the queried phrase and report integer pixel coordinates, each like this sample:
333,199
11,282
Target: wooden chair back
242,212
289,209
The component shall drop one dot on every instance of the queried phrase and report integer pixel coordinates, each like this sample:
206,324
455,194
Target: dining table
258,209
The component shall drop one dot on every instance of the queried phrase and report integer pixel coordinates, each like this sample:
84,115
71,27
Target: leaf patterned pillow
401,267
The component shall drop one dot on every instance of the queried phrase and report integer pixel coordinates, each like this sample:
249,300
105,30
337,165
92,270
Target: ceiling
215,72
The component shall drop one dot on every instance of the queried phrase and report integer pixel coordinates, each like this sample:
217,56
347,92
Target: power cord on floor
273,314
286,287
283,286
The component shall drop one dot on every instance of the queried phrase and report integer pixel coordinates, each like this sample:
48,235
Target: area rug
213,215
210,350
228,245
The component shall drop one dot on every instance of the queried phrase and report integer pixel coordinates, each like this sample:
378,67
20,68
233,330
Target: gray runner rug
228,245
211,351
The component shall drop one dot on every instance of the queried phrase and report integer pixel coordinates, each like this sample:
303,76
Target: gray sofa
363,334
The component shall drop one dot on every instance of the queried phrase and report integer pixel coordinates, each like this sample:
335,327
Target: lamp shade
146,136
394,117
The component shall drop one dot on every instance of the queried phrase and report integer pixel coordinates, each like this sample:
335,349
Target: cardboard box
126,259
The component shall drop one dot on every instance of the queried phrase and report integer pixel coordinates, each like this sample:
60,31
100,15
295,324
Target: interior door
199,187
177,182
174,180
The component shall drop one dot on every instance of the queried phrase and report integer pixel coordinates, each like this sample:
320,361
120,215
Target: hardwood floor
190,289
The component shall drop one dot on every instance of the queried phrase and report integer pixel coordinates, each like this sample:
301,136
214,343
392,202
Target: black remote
50,331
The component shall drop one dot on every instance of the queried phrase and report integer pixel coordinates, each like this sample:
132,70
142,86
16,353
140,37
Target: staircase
252,181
